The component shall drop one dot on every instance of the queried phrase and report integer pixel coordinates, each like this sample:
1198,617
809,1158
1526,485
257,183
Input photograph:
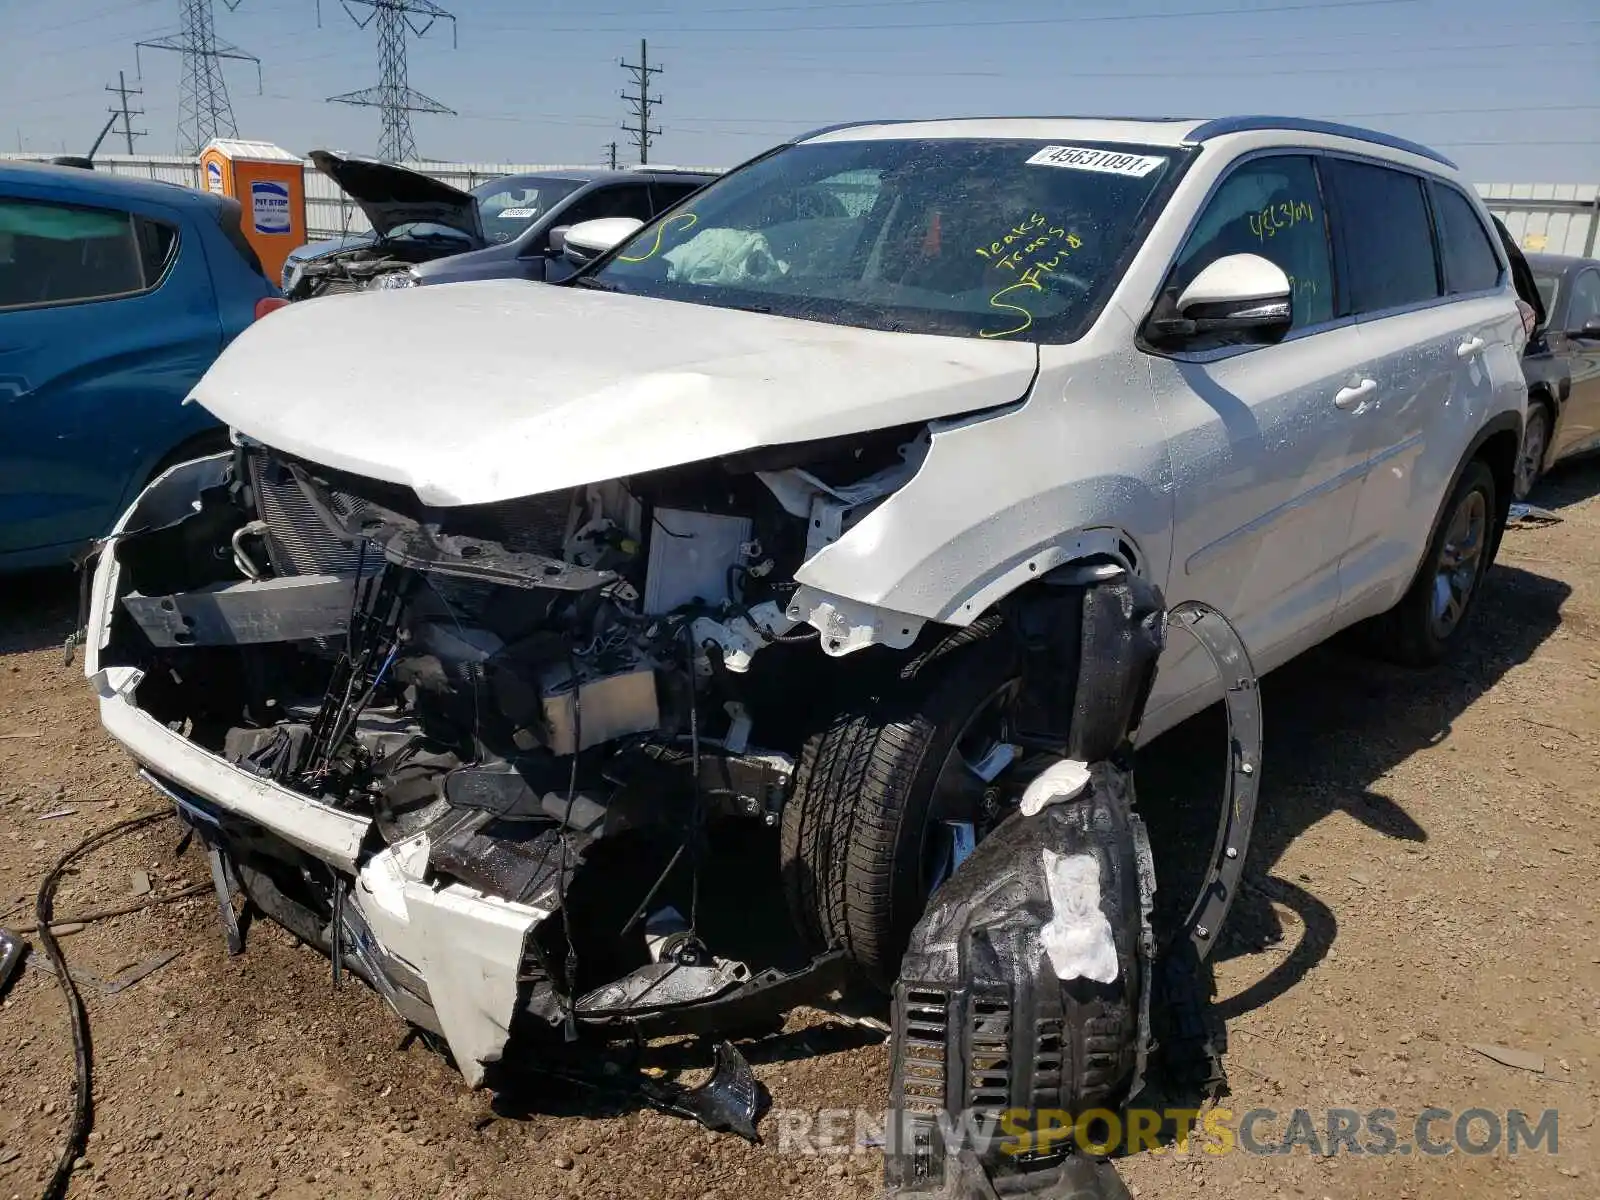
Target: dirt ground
1422,880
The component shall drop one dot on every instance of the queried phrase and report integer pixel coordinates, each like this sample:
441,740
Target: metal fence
1547,218
329,212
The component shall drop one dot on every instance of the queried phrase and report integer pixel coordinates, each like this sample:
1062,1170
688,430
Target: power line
123,91
204,110
92,18
394,96
828,63
641,134
993,22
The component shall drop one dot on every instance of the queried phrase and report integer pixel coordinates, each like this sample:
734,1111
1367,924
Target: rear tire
1531,454
856,832
1428,621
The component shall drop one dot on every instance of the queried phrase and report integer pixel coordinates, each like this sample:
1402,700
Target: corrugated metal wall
1547,218
328,210
169,168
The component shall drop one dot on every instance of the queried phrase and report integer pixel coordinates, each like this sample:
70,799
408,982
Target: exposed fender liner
1242,784
1022,990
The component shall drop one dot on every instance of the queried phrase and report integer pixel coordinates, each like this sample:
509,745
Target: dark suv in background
425,231
1562,364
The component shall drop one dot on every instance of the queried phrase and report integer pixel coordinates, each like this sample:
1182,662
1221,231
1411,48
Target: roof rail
668,169
1226,125
809,134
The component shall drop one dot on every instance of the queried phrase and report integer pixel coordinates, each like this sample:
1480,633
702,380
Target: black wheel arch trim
1503,422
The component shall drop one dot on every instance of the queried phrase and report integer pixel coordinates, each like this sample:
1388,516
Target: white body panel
1231,477
505,388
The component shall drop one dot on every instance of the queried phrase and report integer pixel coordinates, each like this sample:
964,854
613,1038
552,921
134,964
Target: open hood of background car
392,196
480,392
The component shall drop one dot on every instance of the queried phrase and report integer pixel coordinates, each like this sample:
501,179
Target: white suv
751,519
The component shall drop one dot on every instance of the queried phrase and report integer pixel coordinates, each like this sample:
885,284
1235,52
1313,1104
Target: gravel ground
1421,881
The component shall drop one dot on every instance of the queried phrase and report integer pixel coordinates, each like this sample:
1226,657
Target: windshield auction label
1107,162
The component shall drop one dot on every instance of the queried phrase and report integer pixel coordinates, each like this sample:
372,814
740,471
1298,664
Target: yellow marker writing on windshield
995,301
688,221
1032,279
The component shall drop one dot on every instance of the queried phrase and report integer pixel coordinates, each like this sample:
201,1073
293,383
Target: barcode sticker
1107,162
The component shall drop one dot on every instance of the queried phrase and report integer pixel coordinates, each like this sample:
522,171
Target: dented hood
392,196
477,392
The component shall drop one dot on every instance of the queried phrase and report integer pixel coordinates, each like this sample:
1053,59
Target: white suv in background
881,388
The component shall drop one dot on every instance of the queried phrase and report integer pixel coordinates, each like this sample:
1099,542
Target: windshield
508,206
977,238
1549,285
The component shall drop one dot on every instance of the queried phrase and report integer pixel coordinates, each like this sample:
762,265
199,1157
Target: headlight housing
394,279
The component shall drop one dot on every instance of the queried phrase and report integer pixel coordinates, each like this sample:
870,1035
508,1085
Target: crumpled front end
478,755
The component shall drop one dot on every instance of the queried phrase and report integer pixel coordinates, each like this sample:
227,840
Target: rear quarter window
1470,263
1385,237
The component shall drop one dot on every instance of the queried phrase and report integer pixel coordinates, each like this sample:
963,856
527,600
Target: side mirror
588,240
1239,293
557,240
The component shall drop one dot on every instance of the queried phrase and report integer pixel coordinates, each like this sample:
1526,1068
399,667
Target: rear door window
618,200
668,194
1470,263
1386,237
1271,207
63,254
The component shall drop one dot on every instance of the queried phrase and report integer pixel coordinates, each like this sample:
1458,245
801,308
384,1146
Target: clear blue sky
1509,88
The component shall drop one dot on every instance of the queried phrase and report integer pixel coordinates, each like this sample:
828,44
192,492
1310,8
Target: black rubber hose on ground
78,1131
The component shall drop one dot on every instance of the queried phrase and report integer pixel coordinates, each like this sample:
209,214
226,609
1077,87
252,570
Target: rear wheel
889,798
1421,629
1535,445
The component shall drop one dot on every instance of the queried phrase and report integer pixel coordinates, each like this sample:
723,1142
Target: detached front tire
867,834
1422,628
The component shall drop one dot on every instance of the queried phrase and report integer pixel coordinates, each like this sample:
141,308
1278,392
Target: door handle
1349,397
1469,347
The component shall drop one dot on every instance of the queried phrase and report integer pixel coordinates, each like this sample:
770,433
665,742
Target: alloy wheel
1460,563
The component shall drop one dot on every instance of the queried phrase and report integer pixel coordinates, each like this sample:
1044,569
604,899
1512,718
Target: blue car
115,296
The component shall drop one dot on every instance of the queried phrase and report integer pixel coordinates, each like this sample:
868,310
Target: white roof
239,149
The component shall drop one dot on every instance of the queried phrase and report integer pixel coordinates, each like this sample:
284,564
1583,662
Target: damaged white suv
514,598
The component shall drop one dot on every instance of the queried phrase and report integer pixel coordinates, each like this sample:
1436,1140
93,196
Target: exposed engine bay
497,695
361,267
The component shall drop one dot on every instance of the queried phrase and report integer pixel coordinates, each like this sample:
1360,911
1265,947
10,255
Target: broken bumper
454,953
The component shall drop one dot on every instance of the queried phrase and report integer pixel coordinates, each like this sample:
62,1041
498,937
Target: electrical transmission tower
641,134
611,151
123,91
203,108
394,95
